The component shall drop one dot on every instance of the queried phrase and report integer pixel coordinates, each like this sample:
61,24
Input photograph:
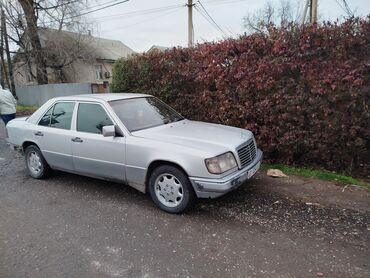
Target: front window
144,112
99,72
91,118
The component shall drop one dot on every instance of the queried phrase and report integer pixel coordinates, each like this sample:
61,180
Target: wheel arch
155,164
27,143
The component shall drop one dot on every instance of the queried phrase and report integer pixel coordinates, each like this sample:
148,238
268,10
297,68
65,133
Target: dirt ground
318,192
73,226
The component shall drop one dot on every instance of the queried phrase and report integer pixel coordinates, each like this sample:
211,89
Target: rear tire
36,164
170,189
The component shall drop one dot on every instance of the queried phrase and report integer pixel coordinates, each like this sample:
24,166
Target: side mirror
109,131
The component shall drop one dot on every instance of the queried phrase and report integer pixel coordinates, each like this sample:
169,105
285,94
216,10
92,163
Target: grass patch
26,110
320,174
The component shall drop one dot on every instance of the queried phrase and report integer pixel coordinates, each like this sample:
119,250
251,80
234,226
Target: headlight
221,163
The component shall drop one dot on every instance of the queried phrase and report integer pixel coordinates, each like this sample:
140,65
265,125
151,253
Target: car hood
213,138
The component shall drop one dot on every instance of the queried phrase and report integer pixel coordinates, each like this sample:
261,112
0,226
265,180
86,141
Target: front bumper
213,188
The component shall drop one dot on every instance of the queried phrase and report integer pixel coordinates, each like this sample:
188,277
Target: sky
141,24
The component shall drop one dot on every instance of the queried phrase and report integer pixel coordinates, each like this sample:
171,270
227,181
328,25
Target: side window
99,72
45,120
91,118
62,115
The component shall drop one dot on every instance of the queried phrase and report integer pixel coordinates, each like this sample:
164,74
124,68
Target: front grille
247,153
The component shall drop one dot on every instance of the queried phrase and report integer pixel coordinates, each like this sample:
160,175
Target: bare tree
63,48
4,38
272,15
30,12
27,17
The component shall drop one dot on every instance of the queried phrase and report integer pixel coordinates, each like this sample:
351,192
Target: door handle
39,133
77,139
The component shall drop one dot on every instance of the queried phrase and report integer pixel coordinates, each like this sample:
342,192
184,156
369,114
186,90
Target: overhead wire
171,8
222,2
145,20
345,7
101,8
207,19
203,12
113,3
92,11
102,4
139,12
89,9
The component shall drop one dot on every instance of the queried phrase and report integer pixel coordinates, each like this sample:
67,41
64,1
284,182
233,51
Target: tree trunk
31,19
7,51
2,75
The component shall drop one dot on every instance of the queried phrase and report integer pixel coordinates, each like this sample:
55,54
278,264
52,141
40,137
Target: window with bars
98,72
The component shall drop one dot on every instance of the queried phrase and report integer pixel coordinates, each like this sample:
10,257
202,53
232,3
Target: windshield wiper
179,119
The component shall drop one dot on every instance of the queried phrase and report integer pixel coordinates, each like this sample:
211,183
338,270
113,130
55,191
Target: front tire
170,189
36,163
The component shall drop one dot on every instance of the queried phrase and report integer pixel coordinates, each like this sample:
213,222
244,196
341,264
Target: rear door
53,135
94,154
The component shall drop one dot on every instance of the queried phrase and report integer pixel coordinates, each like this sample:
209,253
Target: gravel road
73,226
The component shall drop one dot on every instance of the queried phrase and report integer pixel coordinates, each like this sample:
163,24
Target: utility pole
190,23
305,11
314,11
7,50
312,4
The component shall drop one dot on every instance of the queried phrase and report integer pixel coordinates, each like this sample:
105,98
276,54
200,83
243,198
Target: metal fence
37,95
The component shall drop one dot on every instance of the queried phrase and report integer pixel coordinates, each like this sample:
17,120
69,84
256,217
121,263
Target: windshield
145,112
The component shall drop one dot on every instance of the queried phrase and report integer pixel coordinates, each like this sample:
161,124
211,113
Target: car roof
103,96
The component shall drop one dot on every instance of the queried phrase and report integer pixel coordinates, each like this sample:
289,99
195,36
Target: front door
94,154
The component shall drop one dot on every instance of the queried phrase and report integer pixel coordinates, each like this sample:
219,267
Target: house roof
98,48
158,48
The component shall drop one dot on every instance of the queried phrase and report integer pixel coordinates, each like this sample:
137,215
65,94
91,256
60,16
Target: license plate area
252,171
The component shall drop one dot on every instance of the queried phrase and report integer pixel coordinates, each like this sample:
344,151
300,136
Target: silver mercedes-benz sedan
138,140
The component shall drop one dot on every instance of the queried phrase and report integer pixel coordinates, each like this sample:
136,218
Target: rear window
59,116
45,120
